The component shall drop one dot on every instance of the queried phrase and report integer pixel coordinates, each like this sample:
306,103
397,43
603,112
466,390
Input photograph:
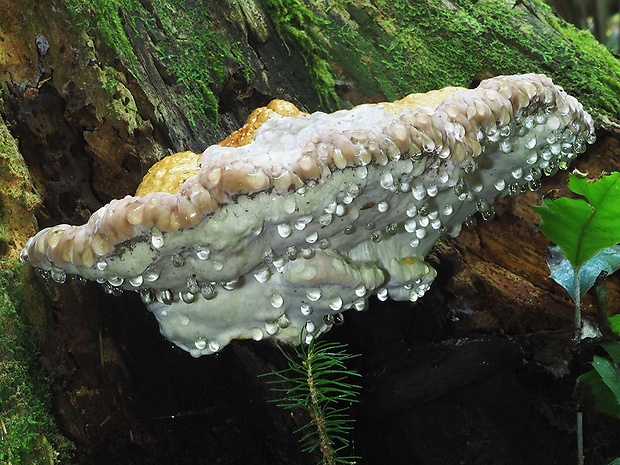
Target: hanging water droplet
382,294
202,252
488,214
256,334
115,281
59,276
157,238
272,328
360,305
312,238
80,280
313,294
307,252
214,346
284,230
262,275
338,319
360,290
136,281
187,297
391,229
177,260
306,309
277,300
101,264
165,296
147,295
151,274
387,180
230,285
200,343
208,291
283,321
470,221
335,303
309,327
192,285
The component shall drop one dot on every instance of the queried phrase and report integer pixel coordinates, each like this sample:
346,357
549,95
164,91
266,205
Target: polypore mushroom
309,215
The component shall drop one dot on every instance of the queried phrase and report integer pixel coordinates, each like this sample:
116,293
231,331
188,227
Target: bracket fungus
298,217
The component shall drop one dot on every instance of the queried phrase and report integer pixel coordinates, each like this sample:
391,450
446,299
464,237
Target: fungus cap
299,217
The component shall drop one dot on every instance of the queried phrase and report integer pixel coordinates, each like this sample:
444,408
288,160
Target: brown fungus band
298,217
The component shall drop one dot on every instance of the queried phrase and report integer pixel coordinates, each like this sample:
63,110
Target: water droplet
376,237
306,309
301,223
101,264
348,230
412,211
517,173
312,238
391,229
151,274
326,219
290,205
136,281
335,303
387,180
500,185
58,276
147,295
230,285
272,328
313,294
80,280
460,187
217,265
256,334
447,209
420,233
200,343
208,291
418,191
410,226
382,206
432,190
530,143
414,243
291,252
470,221
277,300
177,260
382,294
115,281
192,285
341,210
284,230
309,327
202,252
324,244
360,290
157,238
505,146
283,321
214,346
262,275
187,297
23,255
307,252
165,296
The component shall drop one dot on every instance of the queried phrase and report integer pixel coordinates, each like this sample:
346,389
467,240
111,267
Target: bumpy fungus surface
277,231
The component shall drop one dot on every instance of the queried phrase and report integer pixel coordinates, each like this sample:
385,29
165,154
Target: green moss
299,24
195,53
28,434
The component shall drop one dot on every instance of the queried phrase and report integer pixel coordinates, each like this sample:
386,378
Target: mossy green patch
195,52
28,434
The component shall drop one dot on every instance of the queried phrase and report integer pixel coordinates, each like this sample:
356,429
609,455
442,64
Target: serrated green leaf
581,228
606,260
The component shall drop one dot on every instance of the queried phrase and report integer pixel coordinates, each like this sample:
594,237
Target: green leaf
604,400
615,461
581,228
609,374
613,349
606,260
614,324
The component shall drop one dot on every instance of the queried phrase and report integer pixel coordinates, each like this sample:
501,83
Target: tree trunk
93,93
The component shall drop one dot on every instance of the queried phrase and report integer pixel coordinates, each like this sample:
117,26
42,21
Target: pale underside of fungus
298,217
